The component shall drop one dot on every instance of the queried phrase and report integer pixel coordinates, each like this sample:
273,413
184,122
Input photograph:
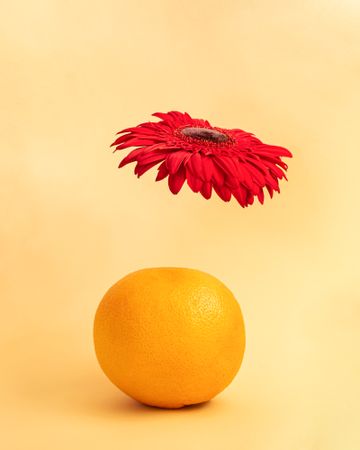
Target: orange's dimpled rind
169,337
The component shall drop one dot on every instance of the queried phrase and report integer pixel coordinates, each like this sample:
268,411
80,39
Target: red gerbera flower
232,162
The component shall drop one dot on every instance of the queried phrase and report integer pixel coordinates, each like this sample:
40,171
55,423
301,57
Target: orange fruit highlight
169,337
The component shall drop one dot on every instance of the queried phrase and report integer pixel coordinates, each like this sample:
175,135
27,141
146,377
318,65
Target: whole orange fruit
169,337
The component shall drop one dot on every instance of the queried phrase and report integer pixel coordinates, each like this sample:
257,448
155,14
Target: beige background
72,74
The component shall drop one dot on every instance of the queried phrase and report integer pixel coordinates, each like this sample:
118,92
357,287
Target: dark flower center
206,134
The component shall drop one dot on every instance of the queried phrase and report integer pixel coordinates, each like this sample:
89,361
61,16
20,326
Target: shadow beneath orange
127,404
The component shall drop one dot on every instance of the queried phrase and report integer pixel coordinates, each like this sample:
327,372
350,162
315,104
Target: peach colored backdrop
74,73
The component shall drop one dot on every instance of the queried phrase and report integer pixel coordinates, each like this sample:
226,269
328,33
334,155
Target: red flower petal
261,196
206,189
140,169
245,177
194,182
131,157
270,190
223,192
176,180
256,175
163,172
174,160
218,175
194,164
240,195
208,168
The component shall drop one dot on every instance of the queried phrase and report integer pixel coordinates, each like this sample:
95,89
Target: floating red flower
232,162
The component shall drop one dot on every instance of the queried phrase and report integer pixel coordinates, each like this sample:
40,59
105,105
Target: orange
169,337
